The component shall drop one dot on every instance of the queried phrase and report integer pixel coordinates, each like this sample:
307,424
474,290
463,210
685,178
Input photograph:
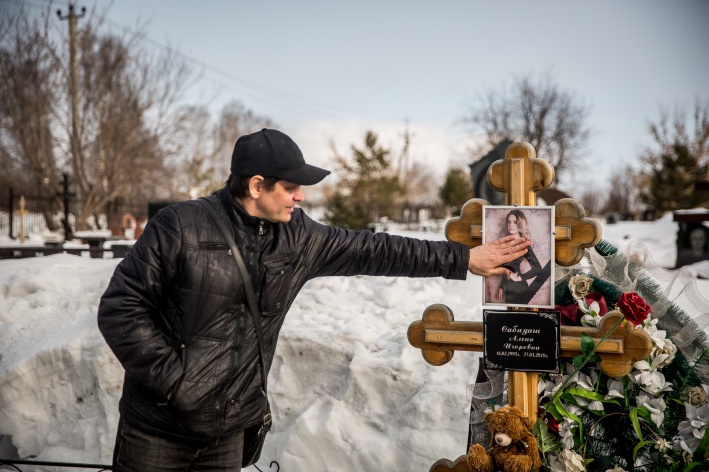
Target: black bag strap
248,287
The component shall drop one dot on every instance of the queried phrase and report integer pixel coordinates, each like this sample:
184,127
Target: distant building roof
550,196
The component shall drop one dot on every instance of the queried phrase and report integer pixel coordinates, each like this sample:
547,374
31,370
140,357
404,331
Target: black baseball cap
271,153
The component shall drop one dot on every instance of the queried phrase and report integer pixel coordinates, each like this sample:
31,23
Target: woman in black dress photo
515,288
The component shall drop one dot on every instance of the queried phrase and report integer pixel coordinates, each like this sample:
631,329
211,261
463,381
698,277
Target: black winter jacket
175,313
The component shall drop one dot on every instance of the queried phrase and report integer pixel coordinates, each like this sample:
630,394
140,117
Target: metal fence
26,209
14,465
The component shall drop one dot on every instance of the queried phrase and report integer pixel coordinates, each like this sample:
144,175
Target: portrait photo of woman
529,280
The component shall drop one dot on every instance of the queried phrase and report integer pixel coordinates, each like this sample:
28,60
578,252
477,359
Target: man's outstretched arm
486,259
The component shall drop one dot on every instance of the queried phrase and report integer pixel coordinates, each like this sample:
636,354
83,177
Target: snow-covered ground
348,391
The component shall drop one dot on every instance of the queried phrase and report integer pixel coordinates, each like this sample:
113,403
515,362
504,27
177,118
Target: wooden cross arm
624,346
444,465
439,336
573,231
468,227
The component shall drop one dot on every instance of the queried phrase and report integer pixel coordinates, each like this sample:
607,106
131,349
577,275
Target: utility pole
74,86
404,159
65,194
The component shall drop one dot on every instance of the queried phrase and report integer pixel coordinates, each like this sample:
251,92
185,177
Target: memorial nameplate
521,341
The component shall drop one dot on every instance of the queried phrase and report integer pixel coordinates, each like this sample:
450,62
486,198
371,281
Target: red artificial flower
633,307
552,423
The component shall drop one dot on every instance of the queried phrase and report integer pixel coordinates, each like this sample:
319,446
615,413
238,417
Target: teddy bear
513,447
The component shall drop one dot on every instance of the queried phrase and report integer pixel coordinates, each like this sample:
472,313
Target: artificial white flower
547,388
686,450
617,468
615,389
661,344
590,321
588,382
649,378
659,336
566,432
698,416
572,461
656,406
590,317
669,349
649,325
691,431
668,459
555,463
696,396
580,285
662,445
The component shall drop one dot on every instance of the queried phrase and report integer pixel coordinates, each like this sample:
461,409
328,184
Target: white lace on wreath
676,302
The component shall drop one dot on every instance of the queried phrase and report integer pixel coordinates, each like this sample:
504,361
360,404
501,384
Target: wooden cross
439,336
22,219
520,175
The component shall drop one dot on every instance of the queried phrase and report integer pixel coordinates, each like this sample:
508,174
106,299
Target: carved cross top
520,175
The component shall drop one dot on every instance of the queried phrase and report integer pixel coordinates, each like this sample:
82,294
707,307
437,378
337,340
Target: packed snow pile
347,390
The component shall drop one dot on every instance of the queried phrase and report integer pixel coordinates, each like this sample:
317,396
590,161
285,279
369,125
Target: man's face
277,205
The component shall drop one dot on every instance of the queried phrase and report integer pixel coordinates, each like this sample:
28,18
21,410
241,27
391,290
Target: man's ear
256,186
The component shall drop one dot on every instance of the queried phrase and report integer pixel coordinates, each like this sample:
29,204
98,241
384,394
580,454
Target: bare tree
114,144
125,101
623,196
236,120
201,147
28,97
539,112
193,152
122,133
592,201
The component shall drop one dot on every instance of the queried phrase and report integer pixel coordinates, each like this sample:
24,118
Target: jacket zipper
219,416
183,363
220,409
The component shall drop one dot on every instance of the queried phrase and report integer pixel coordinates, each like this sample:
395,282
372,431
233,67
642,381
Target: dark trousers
138,451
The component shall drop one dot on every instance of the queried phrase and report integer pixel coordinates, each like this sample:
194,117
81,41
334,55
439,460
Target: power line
253,88
248,87
243,86
27,3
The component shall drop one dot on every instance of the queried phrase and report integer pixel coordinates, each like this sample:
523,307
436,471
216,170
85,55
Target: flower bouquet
656,417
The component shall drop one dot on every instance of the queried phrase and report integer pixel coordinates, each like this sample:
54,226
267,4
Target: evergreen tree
368,187
672,178
678,159
456,190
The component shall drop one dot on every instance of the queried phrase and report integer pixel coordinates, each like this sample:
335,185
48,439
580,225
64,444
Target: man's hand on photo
487,259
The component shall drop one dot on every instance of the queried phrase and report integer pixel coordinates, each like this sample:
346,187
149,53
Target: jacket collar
239,216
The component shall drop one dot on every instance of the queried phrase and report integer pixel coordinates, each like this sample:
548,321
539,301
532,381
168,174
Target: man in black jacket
176,316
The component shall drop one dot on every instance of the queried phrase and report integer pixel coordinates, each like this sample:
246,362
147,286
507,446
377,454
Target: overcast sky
328,71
